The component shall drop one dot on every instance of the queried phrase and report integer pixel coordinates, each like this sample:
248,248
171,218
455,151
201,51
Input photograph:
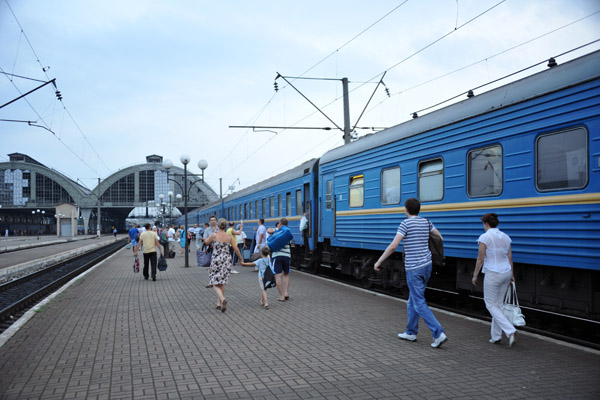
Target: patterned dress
220,264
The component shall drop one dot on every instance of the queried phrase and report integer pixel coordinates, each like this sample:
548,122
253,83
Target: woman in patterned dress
220,265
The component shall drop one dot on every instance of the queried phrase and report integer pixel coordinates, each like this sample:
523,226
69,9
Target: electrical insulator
58,95
276,86
387,91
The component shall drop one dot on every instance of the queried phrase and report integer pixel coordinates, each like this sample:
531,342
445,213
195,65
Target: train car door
327,207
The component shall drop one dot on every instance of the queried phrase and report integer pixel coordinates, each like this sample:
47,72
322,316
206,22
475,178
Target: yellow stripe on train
568,199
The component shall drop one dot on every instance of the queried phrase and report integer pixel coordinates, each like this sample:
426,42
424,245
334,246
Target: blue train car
289,194
528,151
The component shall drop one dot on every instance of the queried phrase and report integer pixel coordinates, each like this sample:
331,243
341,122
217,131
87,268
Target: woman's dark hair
491,219
413,206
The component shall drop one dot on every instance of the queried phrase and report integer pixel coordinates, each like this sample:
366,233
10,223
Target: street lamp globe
185,159
161,197
202,164
167,164
170,194
178,197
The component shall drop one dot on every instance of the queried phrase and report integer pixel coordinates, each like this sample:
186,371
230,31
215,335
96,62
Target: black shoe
146,278
154,279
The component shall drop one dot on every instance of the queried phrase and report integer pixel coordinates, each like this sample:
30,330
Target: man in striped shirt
417,264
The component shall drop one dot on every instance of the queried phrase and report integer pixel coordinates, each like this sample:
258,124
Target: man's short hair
413,206
262,221
148,226
283,221
212,216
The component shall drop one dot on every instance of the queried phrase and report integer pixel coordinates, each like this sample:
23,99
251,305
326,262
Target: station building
31,193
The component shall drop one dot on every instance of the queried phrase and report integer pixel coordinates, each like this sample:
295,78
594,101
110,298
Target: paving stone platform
113,335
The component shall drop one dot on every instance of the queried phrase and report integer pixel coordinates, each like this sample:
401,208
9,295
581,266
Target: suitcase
246,254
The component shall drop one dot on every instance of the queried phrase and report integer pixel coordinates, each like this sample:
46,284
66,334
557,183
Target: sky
142,77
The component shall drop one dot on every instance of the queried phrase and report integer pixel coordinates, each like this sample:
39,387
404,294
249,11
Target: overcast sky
141,77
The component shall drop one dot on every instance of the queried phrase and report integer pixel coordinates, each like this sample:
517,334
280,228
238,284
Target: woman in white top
495,255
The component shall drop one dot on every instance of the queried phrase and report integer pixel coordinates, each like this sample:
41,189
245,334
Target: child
262,264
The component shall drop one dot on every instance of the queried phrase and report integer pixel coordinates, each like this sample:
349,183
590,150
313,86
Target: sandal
224,305
266,306
218,307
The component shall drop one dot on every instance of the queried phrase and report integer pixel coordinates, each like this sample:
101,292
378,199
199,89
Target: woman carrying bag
495,256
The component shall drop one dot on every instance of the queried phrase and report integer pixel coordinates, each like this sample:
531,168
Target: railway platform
112,334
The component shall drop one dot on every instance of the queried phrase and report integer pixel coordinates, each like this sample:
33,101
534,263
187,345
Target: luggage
203,258
279,239
136,265
162,264
246,254
172,254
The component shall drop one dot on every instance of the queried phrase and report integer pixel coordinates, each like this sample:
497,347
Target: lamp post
185,160
40,214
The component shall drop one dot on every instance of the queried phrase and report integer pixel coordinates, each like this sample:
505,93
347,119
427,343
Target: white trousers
494,290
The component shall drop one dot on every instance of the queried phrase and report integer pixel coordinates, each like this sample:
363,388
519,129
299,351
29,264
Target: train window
245,210
257,210
357,191
431,180
329,195
298,202
390,186
288,204
279,206
272,206
561,160
484,170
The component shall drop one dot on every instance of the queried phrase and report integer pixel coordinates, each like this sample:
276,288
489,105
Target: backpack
280,239
269,277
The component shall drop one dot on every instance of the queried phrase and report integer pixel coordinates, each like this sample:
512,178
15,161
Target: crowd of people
223,241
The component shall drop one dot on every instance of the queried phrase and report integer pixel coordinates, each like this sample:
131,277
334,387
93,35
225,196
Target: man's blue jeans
416,306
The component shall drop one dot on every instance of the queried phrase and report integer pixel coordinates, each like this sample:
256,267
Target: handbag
162,264
511,308
203,258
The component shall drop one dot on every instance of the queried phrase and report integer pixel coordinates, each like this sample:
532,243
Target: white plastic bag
303,223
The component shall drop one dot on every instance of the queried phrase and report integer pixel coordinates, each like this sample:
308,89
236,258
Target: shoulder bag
511,308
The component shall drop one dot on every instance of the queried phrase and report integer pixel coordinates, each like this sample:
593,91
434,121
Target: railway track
567,328
18,295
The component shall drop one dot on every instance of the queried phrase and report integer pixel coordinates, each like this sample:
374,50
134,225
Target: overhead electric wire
44,69
509,75
485,59
316,64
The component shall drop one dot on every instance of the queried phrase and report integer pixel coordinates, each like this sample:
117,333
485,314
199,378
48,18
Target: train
528,150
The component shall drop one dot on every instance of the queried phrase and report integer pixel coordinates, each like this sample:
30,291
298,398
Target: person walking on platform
182,239
220,264
262,264
495,256
134,237
261,236
281,264
149,243
415,232
233,232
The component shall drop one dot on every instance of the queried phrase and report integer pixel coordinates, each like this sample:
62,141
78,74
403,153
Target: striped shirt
416,241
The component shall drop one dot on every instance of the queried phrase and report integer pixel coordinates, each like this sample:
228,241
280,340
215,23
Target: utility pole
98,223
346,111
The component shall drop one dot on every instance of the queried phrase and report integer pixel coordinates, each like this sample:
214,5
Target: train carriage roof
283,177
571,73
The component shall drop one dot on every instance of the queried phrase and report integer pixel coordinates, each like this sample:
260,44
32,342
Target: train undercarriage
569,291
